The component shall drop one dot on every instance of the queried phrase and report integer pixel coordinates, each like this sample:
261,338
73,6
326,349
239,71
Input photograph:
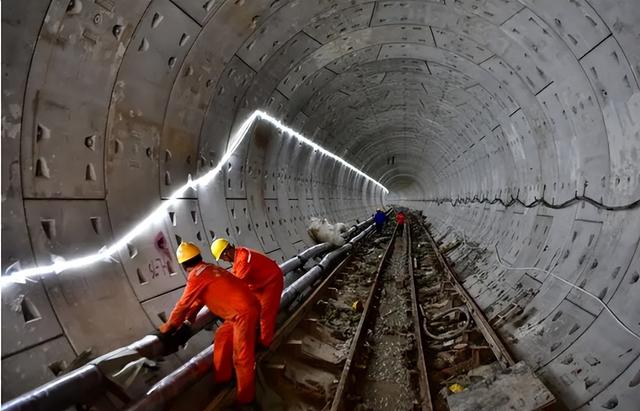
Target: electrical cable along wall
110,107
547,207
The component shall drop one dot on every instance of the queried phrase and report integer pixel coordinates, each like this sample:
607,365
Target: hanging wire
536,202
602,303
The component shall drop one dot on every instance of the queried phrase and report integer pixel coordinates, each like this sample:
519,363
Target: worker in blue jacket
379,218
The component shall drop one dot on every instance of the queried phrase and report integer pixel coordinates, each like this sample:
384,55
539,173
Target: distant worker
228,298
379,218
264,278
400,220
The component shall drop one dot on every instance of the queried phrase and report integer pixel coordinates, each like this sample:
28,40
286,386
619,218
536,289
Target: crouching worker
262,275
230,299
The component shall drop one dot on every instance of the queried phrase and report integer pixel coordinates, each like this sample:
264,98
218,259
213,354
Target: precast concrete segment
105,253
110,106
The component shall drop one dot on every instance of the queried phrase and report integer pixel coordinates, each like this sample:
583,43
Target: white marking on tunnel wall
106,252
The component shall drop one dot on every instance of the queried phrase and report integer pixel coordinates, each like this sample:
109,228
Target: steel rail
425,393
359,334
500,351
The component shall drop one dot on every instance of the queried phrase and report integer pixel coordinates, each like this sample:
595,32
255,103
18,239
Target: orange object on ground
265,279
228,298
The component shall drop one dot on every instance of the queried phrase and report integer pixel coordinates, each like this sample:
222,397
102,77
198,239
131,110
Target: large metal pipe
179,380
299,260
312,275
80,384
361,235
167,388
85,382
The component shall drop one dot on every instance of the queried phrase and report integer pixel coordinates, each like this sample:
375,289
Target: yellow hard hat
218,246
186,251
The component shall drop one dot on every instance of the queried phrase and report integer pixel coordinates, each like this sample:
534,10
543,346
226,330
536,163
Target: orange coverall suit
234,343
264,277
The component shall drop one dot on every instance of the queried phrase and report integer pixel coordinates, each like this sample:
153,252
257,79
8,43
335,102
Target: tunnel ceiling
109,106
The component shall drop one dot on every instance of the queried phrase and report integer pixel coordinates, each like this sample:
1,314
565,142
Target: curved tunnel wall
109,106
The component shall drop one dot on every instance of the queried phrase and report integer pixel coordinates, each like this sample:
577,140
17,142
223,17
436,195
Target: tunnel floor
379,335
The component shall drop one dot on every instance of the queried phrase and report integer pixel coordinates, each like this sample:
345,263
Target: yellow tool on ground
455,388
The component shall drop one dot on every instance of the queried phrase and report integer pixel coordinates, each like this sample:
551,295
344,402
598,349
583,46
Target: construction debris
514,388
322,231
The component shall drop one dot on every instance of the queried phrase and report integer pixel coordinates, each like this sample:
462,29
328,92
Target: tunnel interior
110,106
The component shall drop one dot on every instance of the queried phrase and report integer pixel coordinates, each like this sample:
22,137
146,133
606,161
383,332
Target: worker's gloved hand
172,339
182,334
166,329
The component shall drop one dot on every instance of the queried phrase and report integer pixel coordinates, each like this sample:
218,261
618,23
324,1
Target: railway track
303,367
390,328
454,344
304,371
385,369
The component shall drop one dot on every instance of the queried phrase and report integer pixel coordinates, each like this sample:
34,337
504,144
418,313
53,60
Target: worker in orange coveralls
228,298
263,276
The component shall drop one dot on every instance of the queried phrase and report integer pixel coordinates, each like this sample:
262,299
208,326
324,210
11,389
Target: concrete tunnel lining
108,108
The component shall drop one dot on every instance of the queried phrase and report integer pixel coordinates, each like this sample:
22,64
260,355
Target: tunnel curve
109,106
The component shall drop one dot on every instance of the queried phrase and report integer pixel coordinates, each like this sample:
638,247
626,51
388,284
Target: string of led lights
61,264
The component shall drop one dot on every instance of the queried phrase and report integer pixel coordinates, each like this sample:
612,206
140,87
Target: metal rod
425,394
359,334
167,388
